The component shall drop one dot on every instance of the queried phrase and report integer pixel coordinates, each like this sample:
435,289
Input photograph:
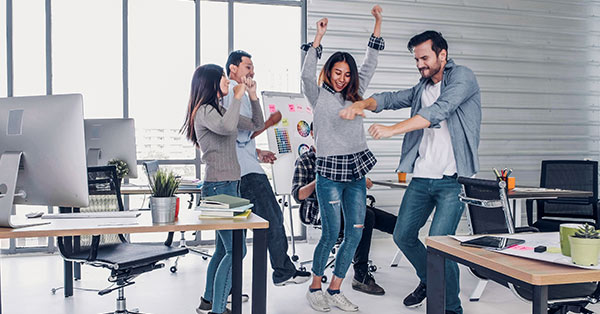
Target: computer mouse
34,214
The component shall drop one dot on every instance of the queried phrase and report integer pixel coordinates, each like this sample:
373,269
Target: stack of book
224,206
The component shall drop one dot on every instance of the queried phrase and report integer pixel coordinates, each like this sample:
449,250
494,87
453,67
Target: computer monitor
107,139
42,153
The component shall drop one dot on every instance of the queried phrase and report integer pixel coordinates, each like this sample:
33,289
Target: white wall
537,63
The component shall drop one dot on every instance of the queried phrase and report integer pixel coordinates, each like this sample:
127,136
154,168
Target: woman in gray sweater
343,158
213,129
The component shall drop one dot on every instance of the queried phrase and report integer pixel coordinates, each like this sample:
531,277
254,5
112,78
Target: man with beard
440,143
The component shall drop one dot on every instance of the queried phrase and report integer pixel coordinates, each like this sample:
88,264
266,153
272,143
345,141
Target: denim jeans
374,219
421,196
218,274
335,198
256,188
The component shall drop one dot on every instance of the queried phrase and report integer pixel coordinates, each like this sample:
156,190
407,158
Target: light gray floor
27,280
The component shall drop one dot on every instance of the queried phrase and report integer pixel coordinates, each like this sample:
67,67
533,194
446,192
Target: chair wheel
295,258
204,257
333,251
302,268
173,269
324,279
372,268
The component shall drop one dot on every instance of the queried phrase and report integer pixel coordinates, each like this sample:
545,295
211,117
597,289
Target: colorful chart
283,141
303,128
303,148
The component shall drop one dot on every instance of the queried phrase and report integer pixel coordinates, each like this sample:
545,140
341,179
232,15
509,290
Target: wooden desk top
188,221
527,270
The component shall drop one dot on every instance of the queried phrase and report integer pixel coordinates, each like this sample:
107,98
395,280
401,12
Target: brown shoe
367,285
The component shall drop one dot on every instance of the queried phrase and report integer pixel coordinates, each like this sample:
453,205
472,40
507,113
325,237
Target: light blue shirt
245,146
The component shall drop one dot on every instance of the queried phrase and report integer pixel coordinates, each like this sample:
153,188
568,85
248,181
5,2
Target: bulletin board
289,138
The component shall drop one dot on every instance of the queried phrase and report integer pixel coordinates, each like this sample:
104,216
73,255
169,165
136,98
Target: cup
565,231
402,177
510,182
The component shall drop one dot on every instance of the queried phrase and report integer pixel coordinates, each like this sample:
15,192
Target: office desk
518,193
536,274
187,221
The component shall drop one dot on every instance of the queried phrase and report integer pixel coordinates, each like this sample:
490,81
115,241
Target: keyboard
119,214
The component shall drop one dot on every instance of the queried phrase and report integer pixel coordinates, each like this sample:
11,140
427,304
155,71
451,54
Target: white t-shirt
436,157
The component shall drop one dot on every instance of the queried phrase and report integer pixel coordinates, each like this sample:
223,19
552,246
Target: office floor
27,280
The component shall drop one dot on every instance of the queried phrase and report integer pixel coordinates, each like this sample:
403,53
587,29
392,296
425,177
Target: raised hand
239,90
376,12
322,26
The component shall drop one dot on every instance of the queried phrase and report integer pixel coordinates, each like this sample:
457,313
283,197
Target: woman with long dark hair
213,129
343,158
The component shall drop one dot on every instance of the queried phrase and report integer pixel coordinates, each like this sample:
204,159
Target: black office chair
125,260
581,175
488,212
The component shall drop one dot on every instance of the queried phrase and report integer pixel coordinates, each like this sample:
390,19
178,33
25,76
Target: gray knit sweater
335,136
216,136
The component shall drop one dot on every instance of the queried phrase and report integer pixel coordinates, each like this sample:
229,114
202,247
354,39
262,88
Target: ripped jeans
335,197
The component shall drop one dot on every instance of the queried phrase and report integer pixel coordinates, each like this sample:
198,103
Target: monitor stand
93,155
9,170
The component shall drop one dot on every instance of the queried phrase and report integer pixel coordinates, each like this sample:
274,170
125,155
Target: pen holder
510,182
402,177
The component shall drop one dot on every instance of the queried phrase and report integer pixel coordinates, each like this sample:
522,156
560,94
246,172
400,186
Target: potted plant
585,245
163,201
122,167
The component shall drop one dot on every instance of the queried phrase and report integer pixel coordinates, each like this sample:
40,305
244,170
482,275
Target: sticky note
272,108
553,250
292,108
308,109
298,107
521,248
285,122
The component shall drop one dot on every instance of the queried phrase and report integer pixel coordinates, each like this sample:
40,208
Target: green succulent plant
587,232
122,167
165,184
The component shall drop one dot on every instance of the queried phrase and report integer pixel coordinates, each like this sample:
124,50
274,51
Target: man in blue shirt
440,143
255,185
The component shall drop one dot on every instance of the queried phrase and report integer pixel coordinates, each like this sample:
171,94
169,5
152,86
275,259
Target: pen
509,172
496,172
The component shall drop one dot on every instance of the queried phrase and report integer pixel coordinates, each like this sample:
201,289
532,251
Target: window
87,54
161,63
3,83
213,32
29,47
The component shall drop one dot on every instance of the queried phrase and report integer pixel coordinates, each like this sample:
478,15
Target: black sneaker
367,284
298,277
417,297
204,306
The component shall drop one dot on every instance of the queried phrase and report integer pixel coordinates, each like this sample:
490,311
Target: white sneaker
317,301
341,302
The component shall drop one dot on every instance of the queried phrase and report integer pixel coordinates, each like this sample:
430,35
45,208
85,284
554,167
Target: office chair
125,260
488,212
150,168
581,175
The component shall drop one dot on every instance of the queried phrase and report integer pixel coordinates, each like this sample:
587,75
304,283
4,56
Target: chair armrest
529,210
526,229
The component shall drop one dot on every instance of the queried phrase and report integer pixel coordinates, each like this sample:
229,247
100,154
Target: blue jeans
218,275
335,197
421,196
256,188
